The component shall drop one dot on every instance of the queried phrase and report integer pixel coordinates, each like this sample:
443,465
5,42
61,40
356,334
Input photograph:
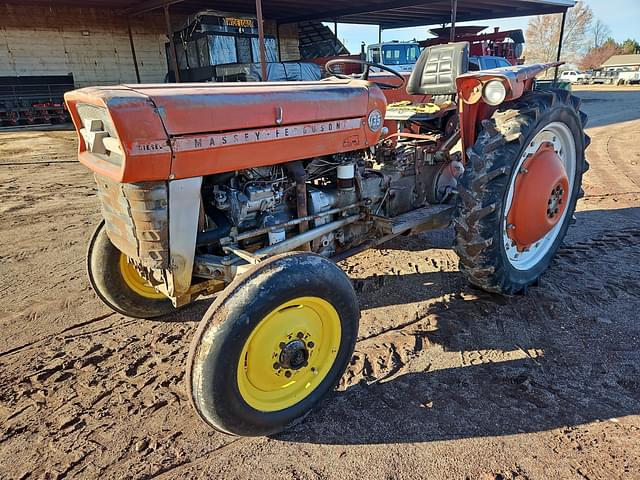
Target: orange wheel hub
540,197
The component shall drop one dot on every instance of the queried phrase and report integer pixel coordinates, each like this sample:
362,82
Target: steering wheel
365,75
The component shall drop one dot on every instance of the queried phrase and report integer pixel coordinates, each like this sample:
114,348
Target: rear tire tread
481,194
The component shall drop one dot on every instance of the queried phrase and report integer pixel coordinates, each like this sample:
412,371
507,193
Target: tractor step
432,217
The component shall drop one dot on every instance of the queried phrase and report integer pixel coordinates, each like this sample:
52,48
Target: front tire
118,284
272,345
488,257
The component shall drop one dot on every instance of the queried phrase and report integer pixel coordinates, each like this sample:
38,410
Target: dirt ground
446,383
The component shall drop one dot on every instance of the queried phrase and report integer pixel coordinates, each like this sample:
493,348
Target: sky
622,17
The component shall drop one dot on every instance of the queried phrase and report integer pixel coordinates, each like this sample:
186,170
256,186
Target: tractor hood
134,133
191,108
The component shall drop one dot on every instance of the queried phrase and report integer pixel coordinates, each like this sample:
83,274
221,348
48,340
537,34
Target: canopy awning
386,13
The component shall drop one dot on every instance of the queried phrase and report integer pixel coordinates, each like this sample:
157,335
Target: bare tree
600,32
543,35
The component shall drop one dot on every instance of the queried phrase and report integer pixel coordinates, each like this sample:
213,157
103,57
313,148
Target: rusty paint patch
137,220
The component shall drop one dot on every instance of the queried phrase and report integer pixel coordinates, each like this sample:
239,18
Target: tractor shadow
444,239
191,313
565,354
474,401
589,223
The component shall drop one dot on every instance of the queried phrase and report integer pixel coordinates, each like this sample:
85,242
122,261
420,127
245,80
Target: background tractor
249,192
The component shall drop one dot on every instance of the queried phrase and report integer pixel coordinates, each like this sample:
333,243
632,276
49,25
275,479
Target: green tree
630,45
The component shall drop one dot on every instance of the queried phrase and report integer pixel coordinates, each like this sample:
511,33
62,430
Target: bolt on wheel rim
289,354
560,136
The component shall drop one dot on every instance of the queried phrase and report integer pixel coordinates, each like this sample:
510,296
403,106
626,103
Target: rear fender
473,109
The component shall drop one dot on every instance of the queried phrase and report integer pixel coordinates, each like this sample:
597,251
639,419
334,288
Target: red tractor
507,44
249,191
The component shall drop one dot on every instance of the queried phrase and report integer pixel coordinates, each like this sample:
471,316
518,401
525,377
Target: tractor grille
137,219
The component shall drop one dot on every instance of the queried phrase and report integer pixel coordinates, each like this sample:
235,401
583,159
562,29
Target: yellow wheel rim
289,354
136,282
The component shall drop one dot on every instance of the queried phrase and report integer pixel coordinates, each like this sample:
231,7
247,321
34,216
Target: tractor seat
434,74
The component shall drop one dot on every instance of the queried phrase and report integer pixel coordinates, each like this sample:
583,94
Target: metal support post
172,45
279,43
263,53
454,15
564,21
133,49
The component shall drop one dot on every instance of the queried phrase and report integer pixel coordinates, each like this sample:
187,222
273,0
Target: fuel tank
137,133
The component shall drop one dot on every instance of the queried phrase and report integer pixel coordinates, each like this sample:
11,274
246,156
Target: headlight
494,92
375,120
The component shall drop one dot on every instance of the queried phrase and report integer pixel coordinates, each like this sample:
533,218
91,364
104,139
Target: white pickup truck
628,77
573,76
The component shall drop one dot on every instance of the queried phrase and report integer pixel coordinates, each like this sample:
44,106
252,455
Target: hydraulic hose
222,230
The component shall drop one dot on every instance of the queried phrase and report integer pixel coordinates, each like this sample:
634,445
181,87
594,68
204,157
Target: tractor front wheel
117,282
272,345
519,191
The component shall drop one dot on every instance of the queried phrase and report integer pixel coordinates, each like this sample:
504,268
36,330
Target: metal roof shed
384,13
628,60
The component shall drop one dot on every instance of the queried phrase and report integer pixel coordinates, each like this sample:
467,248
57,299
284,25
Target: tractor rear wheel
272,345
519,191
117,282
